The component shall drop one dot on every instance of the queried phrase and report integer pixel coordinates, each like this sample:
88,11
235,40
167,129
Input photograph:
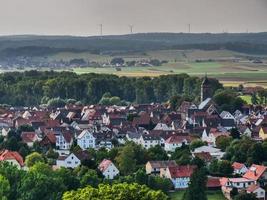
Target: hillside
28,45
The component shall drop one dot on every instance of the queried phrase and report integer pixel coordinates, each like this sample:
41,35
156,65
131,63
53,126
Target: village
73,130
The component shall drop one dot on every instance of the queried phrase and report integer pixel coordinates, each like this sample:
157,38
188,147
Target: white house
257,190
239,168
108,169
176,141
214,152
68,161
148,141
179,175
86,140
162,127
63,140
12,157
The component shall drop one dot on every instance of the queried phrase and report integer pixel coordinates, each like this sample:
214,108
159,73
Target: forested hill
242,42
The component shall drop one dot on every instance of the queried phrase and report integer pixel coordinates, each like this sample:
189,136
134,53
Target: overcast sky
82,17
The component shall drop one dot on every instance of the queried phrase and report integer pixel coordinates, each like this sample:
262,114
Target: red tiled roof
67,136
255,172
223,181
52,138
11,155
204,156
104,165
181,171
213,182
237,166
252,188
174,139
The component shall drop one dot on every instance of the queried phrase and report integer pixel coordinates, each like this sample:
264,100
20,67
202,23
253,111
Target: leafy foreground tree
4,188
197,186
119,191
245,196
34,158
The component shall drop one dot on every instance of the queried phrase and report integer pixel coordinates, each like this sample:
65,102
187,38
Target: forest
34,87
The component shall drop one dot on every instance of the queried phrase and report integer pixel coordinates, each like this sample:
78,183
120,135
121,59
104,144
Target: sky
83,17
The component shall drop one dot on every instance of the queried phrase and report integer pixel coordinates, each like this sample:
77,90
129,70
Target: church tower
206,90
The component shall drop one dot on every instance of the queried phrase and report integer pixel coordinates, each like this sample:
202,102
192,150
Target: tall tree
197,186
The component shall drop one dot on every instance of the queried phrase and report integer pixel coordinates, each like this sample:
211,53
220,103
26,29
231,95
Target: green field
230,73
246,98
212,195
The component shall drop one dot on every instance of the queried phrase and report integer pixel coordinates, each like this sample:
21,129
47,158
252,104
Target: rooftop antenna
101,29
131,28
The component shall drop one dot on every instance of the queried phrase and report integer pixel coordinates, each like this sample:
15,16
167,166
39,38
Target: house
64,140
180,175
155,167
239,168
49,140
108,169
239,183
263,133
86,140
257,190
214,152
133,136
205,156
12,157
213,183
29,138
257,173
68,161
227,120
176,141
149,140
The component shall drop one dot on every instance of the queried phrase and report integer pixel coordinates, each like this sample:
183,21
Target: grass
179,61
246,98
212,195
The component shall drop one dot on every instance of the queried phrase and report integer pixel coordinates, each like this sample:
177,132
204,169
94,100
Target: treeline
142,42
244,47
34,87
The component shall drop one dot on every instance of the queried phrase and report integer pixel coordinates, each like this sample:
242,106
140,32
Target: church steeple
206,90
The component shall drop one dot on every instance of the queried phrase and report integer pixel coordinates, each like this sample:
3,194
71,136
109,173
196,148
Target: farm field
229,72
212,195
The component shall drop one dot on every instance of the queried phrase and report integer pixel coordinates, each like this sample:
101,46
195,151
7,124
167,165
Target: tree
254,99
56,102
225,168
119,191
90,178
157,153
158,183
235,134
197,143
197,186
41,182
141,177
4,188
126,160
233,192
245,196
34,158
223,141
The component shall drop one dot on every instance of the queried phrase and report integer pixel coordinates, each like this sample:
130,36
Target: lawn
246,98
212,195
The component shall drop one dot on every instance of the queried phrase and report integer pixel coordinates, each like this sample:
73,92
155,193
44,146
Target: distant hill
32,45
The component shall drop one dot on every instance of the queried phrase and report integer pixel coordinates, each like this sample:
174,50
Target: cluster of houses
98,126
